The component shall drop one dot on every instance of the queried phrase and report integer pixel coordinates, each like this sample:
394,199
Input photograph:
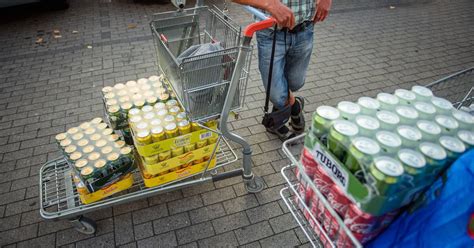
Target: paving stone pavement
363,48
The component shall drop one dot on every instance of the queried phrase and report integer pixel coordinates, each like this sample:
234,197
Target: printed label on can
330,166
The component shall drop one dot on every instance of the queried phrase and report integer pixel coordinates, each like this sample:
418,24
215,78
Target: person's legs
279,87
297,59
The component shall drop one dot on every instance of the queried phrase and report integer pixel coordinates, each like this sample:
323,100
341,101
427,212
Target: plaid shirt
304,10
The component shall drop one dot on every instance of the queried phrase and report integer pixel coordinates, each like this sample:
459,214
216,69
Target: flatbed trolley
208,86
457,88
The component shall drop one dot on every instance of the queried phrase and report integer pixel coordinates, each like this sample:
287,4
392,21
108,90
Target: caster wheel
86,226
254,185
213,172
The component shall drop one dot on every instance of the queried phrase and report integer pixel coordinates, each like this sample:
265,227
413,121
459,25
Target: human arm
282,14
322,10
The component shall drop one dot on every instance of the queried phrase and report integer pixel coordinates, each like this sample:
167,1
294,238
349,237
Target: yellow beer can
144,137
184,127
157,134
171,130
164,156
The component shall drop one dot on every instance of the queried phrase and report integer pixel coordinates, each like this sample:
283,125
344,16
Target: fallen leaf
56,32
392,7
57,36
90,47
75,31
39,40
132,25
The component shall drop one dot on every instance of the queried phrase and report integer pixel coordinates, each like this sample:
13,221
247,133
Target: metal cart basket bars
200,81
458,88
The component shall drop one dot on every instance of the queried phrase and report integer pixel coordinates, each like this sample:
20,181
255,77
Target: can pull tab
470,226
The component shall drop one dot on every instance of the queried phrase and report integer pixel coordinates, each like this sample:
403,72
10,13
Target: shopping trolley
457,88
208,86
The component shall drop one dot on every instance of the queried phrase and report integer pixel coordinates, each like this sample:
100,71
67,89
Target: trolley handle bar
266,22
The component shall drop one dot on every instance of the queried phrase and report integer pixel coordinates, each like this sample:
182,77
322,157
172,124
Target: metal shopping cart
457,88
208,86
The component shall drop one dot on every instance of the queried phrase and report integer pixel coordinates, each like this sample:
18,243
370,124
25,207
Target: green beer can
449,125
387,120
408,115
361,153
387,101
387,173
453,146
340,136
410,136
465,120
405,97
425,110
389,142
442,105
348,110
368,106
422,93
435,156
323,118
467,137
414,165
430,131
367,125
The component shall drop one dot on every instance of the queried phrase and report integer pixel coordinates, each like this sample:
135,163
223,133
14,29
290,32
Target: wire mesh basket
201,82
318,220
458,88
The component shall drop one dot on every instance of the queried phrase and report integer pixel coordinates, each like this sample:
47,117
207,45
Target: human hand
322,10
282,14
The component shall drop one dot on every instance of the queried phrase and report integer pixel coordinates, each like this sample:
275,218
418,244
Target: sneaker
283,132
297,117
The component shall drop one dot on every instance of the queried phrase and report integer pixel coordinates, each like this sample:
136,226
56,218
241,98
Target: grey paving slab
363,48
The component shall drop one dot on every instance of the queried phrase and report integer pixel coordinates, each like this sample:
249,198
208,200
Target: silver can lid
160,105
328,112
366,145
452,144
405,94
466,137
147,108
446,121
428,127
368,102
409,132
346,128
387,98
155,122
367,122
422,91
441,103
463,116
388,139
134,111
387,117
388,166
433,150
407,112
348,107
412,158
425,107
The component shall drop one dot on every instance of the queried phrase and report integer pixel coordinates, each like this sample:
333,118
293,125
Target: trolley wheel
254,185
84,225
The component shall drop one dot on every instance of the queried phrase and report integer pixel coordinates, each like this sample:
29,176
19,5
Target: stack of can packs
375,156
121,98
97,155
169,145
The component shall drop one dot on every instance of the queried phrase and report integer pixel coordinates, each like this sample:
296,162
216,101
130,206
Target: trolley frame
59,199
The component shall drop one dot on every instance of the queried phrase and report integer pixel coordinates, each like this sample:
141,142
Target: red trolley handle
266,22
